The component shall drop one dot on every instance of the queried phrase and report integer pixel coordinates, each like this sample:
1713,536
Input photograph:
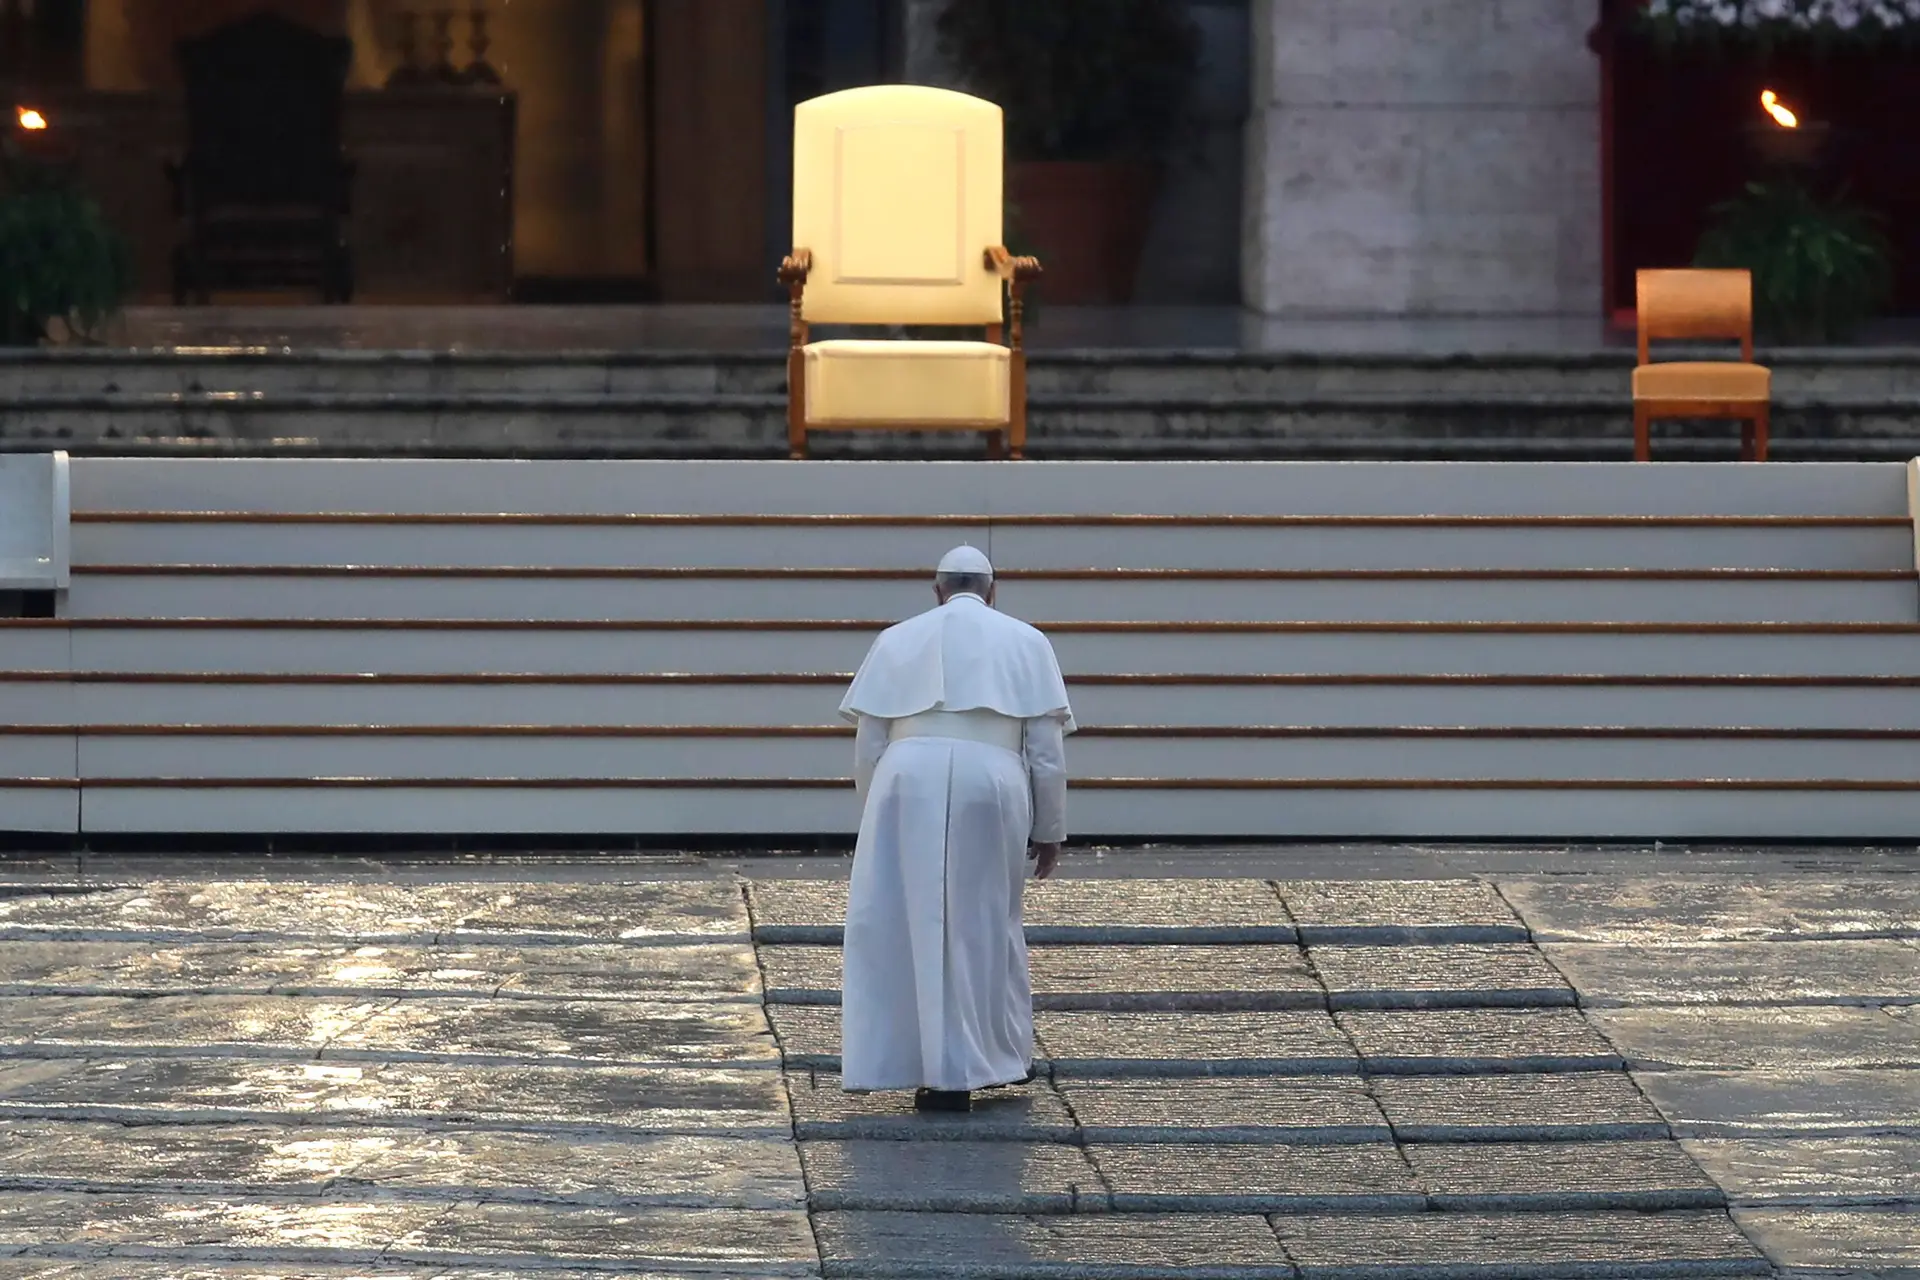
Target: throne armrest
795,267
1017,269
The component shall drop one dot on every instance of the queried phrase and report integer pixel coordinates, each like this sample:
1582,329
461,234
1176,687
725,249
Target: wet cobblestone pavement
230,1072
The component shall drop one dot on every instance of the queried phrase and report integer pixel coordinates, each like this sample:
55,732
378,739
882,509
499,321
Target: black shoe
1033,1073
942,1100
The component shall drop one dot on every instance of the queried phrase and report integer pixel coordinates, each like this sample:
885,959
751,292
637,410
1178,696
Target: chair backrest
896,194
265,98
1695,303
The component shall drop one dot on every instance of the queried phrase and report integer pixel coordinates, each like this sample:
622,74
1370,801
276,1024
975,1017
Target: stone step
1619,1245
331,593
1588,1106
1020,552
1120,977
1378,1178
1150,374
1218,912
1838,404
1432,425
1153,1045
370,1229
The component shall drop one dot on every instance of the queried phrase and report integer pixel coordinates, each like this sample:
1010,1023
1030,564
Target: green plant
1820,267
59,257
1078,79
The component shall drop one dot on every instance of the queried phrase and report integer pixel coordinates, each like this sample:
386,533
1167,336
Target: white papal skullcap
965,560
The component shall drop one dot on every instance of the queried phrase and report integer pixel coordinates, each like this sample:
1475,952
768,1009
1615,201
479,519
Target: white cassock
960,762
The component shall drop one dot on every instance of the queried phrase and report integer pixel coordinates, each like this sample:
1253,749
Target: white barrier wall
1266,650
34,498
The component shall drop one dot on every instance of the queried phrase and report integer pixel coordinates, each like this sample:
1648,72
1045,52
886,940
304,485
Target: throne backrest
897,195
264,102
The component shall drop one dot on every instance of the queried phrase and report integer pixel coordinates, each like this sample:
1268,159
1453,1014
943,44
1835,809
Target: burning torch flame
1781,116
30,120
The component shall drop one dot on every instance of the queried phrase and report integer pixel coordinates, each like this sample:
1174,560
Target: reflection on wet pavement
466,1079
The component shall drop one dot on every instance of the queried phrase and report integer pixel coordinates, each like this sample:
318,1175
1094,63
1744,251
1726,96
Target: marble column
1422,157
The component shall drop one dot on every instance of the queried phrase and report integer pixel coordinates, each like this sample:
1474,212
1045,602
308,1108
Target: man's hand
1045,857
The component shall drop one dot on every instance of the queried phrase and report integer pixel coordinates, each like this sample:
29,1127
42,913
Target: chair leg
997,444
1746,440
796,405
1642,434
1762,420
1017,401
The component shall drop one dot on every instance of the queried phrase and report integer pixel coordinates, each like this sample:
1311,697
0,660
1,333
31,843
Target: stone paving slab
1457,976
733,1241
235,1160
1472,1246
1118,976
130,1269
335,1230
285,1026
1187,911
633,1032
1867,972
127,1269
1554,1107
1061,911
1130,1246
1475,1041
1812,1171
1648,1175
19,1075
1193,1044
1799,1103
1216,1178
655,911
1811,1037
1652,910
213,1090
808,1035
952,1177
393,1232
798,911
1386,912
821,1110
1298,1110
423,1029
1185,977
594,971
1126,1044
1871,1244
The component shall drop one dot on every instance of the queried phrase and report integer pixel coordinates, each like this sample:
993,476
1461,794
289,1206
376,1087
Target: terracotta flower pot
1087,223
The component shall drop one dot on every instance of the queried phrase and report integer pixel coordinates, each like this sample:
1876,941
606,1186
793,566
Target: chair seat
863,382
1702,380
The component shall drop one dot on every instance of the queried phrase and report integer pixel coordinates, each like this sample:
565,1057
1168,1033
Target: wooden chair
896,221
262,193
1699,304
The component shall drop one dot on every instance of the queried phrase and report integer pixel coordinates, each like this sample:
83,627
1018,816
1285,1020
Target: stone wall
1422,157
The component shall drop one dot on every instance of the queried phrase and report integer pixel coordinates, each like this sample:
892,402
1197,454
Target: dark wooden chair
263,190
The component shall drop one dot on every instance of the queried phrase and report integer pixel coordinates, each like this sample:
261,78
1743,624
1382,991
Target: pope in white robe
960,765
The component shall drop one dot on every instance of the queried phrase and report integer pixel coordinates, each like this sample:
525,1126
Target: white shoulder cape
962,656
